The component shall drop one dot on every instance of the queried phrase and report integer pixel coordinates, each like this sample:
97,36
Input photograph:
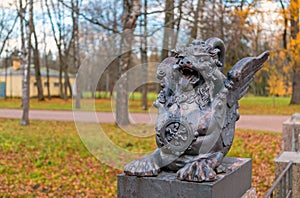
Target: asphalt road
257,122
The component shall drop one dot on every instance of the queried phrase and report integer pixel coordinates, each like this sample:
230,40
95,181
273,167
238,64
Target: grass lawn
47,158
267,105
104,105
249,105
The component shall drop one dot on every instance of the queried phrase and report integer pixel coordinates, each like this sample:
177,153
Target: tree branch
8,34
91,20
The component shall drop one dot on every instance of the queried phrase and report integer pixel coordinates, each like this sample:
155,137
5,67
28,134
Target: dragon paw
198,171
142,167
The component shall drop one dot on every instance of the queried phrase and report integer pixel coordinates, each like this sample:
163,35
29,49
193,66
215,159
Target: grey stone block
281,162
233,184
291,135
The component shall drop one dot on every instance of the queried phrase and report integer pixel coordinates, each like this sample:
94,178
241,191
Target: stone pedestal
234,184
291,134
281,162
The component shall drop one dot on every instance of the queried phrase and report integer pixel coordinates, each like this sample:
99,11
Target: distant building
13,78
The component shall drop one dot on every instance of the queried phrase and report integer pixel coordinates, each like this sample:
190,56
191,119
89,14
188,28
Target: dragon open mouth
190,74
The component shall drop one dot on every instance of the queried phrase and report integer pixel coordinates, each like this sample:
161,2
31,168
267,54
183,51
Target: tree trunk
178,21
5,80
47,76
58,41
45,53
296,68
25,61
194,30
284,35
122,117
60,75
144,58
130,16
76,59
296,88
67,85
37,67
169,23
222,22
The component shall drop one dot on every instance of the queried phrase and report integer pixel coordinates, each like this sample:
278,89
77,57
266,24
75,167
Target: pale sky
269,19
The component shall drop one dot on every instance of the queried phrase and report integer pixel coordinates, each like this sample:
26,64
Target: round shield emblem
176,136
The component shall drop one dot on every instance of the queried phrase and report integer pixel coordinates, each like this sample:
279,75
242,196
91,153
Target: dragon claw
142,167
198,171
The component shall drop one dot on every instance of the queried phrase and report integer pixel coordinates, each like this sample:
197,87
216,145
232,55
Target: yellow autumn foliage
276,83
285,60
279,69
294,50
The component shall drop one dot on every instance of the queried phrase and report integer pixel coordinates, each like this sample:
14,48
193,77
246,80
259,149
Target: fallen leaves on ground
262,147
48,159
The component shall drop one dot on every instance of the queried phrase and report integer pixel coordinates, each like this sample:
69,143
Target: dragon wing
237,83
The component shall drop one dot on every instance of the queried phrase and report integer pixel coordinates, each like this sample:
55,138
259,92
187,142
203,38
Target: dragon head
197,62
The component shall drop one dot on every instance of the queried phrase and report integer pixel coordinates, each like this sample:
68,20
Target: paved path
258,122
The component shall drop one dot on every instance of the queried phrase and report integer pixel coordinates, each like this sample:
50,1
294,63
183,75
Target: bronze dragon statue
197,111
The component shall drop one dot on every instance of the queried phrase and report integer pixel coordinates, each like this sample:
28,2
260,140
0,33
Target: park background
51,38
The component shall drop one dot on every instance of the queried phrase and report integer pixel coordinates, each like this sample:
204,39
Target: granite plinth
291,135
234,183
281,162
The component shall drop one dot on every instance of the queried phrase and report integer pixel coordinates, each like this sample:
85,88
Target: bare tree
144,57
178,22
58,41
45,58
63,45
130,15
25,58
194,30
169,23
75,41
7,25
36,55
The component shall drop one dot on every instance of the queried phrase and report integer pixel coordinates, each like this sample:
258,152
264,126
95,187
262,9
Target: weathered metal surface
197,111
234,184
